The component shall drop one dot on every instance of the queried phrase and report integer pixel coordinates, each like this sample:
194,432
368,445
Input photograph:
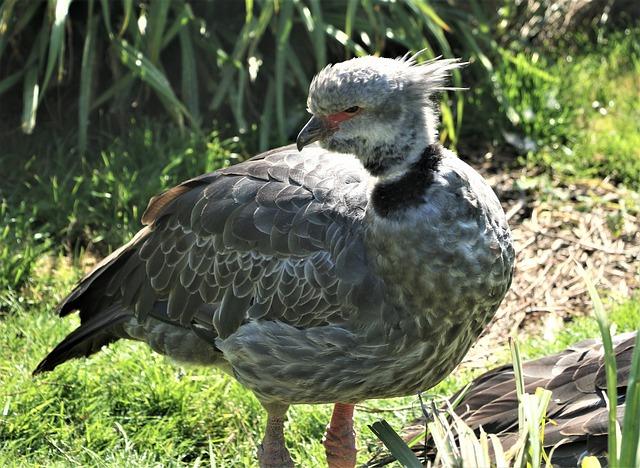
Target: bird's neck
403,186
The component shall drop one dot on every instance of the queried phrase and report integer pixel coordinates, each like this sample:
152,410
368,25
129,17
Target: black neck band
407,191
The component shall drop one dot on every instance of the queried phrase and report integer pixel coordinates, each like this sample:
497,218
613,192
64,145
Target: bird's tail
87,339
101,314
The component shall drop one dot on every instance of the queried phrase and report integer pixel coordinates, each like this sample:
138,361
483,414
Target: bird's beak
315,129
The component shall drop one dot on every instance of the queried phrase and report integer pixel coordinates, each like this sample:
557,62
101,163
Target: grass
577,116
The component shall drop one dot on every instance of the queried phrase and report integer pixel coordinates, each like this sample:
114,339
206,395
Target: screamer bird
361,268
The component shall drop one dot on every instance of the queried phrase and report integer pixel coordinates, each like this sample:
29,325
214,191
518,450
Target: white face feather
396,117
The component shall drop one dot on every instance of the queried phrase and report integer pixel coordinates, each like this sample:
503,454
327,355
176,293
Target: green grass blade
285,23
266,118
630,445
121,83
30,98
395,444
86,76
319,43
352,8
10,81
517,372
184,17
128,10
189,71
610,365
429,12
106,16
156,24
249,38
56,39
142,67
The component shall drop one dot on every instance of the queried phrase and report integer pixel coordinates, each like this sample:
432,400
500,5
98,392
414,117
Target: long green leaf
128,9
352,8
56,40
157,21
631,423
86,76
266,118
140,65
30,97
10,81
189,79
395,444
317,34
285,23
610,365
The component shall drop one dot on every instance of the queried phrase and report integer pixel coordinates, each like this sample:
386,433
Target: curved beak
315,129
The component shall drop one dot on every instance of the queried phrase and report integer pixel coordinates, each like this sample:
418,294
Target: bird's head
379,109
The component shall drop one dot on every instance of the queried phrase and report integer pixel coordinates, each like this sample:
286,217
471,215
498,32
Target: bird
361,262
577,414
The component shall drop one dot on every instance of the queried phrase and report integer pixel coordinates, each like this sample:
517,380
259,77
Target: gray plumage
283,272
577,412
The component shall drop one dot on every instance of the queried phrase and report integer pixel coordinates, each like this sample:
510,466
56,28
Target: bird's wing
576,378
276,237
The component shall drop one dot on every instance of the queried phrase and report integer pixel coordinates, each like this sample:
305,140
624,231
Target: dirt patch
556,227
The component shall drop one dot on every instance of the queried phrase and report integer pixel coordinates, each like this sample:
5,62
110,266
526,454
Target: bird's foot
272,452
340,439
274,455
341,449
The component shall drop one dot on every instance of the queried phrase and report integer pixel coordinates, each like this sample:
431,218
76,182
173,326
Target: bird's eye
352,110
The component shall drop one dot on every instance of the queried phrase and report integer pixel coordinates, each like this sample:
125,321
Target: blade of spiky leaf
591,462
127,6
189,74
444,440
630,445
249,37
185,16
430,13
535,409
517,372
609,362
449,130
86,76
352,8
498,452
56,39
10,81
298,72
285,23
140,65
395,444
237,101
106,16
343,39
266,118
156,23
121,83
30,99
319,43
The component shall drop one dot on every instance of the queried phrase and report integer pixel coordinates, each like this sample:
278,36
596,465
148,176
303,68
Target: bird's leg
272,452
340,438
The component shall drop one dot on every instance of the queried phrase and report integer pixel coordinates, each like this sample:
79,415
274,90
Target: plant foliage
249,63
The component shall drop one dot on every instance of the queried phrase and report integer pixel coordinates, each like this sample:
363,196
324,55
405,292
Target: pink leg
273,453
340,438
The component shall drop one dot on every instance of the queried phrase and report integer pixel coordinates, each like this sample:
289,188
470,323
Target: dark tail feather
87,339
